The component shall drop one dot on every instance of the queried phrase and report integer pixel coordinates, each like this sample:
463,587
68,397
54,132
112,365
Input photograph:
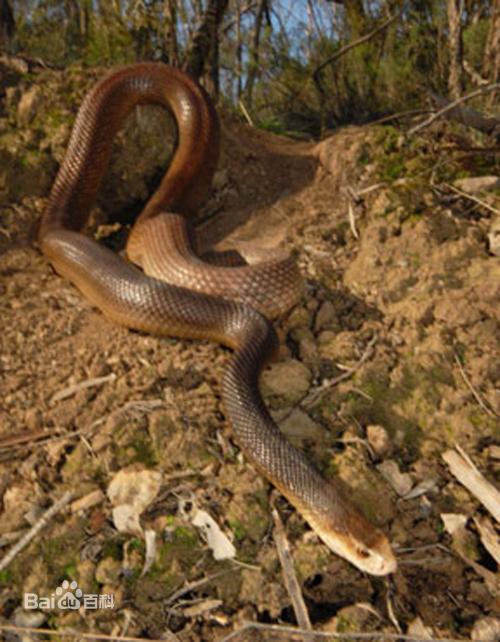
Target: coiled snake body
230,305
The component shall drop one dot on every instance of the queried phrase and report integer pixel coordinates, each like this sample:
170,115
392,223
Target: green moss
5,577
114,548
59,554
144,453
238,530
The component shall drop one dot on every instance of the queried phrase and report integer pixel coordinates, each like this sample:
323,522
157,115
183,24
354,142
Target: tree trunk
7,25
171,45
455,8
262,10
491,64
356,17
205,45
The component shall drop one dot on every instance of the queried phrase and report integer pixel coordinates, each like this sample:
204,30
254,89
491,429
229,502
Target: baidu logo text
68,596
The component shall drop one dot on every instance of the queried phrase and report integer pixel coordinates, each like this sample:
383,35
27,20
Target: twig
84,636
370,188
390,610
22,438
478,398
403,114
192,586
489,537
325,635
245,113
289,574
469,477
330,383
41,523
472,198
351,45
452,105
352,221
83,385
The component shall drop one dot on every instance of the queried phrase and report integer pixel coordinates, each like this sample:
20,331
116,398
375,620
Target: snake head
345,530
376,559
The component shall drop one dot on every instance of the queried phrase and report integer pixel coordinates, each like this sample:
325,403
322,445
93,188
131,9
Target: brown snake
229,304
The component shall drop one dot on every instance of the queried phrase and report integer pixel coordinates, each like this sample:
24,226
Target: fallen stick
476,394
85,636
289,574
293,633
472,198
451,106
468,475
83,385
41,523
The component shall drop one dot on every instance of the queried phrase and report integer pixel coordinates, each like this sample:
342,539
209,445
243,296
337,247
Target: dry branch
41,523
460,192
344,50
78,635
83,385
468,475
469,117
289,575
489,537
451,106
292,633
476,394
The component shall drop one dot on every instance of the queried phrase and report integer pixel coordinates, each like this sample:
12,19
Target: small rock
308,350
29,619
221,179
379,440
486,629
33,418
476,184
494,237
418,629
288,379
28,105
326,336
400,482
326,318
297,425
299,318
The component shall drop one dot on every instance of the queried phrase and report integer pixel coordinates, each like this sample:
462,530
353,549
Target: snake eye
363,552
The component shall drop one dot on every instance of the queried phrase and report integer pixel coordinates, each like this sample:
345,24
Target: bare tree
171,43
7,24
262,10
455,9
205,45
491,64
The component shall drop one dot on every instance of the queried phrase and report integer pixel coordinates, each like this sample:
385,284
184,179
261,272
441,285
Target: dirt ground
389,360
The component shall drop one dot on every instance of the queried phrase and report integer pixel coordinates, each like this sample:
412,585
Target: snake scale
170,291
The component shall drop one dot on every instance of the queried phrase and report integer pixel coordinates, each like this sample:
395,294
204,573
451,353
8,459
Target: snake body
176,294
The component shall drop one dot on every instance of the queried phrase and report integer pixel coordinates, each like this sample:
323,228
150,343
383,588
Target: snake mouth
376,560
357,541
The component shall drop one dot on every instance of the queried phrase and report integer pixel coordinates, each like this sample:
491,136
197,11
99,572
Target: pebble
326,318
400,482
297,425
486,629
379,439
288,379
